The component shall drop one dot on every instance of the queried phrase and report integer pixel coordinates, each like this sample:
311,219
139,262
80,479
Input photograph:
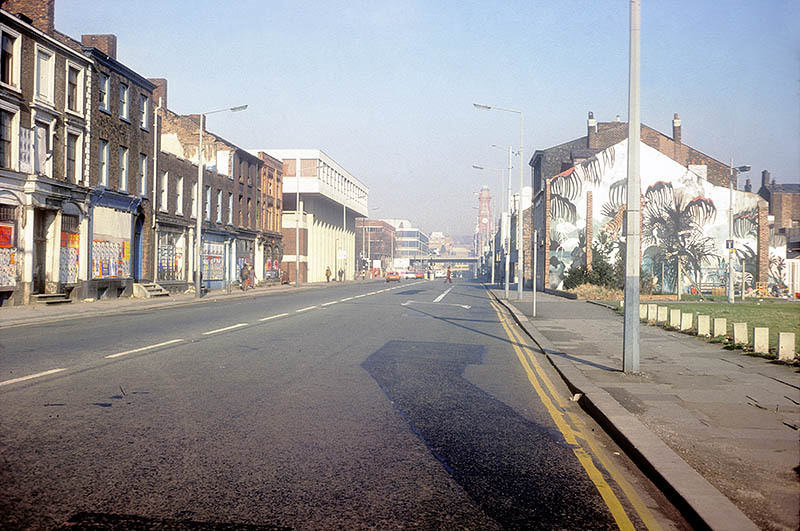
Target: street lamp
200,202
520,252
734,175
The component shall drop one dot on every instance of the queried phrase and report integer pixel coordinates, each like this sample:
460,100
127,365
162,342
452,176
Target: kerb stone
740,334
675,318
704,325
761,340
786,346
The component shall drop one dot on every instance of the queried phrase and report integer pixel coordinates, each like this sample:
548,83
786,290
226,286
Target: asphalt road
353,406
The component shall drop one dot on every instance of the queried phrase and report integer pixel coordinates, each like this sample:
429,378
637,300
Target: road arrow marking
442,296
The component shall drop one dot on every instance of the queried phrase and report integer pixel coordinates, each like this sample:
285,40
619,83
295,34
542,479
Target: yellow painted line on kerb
142,349
614,505
597,451
31,377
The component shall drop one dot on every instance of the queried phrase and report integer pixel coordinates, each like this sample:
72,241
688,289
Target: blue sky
386,88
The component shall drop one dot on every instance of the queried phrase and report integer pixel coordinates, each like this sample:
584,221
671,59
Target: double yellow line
570,424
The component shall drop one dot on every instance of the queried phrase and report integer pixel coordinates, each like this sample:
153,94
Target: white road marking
274,316
37,375
329,303
305,309
442,296
118,354
465,306
359,296
224,329
347,299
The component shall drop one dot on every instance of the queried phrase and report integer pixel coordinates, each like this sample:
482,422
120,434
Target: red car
392,276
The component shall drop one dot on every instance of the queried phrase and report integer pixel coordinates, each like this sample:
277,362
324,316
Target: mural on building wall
684,220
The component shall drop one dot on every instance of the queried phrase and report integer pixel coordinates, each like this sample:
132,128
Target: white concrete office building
330,201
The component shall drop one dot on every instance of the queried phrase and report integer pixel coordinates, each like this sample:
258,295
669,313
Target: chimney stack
160,91
41,12
765,179
591,131
106,43
748,186
676,128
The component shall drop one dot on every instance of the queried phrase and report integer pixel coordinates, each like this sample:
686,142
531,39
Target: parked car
408,275
419,275
392,275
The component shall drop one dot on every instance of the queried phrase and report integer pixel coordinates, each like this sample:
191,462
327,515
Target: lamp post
731,250
200,203
520,252
633,237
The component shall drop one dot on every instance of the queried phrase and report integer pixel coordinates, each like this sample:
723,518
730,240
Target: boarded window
290,167
308,167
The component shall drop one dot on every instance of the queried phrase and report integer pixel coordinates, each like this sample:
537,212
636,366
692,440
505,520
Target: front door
39,250
137,249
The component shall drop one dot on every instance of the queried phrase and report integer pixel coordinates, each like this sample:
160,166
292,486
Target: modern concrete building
375,244
330,200
411,241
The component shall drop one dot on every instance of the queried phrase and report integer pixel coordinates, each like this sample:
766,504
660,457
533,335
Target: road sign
729,244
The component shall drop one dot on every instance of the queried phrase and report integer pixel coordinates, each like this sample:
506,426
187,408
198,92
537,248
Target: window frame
78,160
102,162
230,208
124,164
16,63
49,97
143,175
104,91
164,189
124,104
179,198
219,206
144,112
13,141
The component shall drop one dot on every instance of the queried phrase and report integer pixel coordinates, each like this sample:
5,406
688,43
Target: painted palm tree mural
673,232
684,219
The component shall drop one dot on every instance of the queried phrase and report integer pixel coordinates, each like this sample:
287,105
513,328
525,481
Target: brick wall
106,43
41,12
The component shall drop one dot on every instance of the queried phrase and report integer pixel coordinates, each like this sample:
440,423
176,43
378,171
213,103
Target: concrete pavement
717,430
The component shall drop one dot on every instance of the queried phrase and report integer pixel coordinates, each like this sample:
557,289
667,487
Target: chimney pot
765,179
676,128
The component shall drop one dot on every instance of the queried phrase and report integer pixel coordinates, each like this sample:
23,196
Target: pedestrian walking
341,274
243,277
448,280
327,274
251,276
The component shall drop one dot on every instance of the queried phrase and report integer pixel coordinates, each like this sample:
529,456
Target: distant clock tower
484,228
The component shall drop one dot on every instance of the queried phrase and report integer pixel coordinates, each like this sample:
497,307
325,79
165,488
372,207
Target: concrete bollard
675,318
662,315
687,321
786,346
652,309
740,334
704,325
643,312
720,326
761,340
